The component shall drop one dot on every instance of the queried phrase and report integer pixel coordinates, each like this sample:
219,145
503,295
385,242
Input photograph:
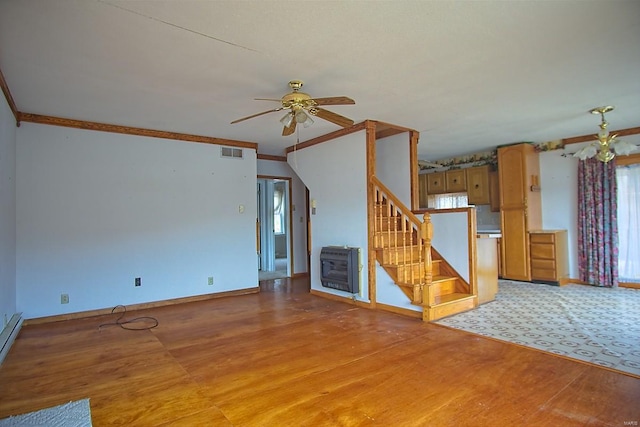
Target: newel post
426,233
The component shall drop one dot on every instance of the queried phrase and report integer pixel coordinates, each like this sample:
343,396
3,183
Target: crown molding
103,127
271,157
592,137
9,98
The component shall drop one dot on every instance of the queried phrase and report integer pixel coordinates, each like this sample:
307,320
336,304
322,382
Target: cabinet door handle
455,181
477,185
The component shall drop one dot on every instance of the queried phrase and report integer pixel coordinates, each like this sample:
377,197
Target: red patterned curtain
597,223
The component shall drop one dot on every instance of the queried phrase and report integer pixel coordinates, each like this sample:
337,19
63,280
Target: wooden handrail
395,226
396,201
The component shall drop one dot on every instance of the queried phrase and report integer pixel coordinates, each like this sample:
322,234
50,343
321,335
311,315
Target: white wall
299,219
393,169
393,165
451,239
559,183
335,174
95,210
7,213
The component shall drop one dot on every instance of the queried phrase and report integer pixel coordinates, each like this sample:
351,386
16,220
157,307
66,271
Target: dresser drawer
543,274
541,238
544,264
540,250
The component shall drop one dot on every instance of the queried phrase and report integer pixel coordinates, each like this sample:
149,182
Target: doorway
274,227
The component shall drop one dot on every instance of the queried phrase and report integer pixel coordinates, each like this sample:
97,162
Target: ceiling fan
302,106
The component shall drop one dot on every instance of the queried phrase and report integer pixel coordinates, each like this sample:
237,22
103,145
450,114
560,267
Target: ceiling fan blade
334,100
332,117
288,130
256,115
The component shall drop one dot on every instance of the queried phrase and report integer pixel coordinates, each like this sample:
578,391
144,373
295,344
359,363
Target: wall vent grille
231,152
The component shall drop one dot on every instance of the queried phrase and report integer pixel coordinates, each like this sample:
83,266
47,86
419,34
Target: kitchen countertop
488,234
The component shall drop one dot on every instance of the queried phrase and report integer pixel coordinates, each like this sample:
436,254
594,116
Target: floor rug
72,414
592,324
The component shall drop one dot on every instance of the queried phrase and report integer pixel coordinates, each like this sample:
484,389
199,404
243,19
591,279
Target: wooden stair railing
403,248
402,242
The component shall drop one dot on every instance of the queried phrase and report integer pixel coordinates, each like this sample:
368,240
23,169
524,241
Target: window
448,201
278,211
628,183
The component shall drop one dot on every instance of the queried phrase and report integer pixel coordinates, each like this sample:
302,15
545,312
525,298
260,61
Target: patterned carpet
595,325
72,414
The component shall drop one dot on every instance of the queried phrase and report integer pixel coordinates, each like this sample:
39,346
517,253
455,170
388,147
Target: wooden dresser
548,255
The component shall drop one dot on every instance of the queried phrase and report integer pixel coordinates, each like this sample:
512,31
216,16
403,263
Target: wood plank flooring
284,357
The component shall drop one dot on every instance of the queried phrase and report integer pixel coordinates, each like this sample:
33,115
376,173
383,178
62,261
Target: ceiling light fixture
607,146
287,119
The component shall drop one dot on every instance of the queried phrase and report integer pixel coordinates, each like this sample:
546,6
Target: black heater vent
339,267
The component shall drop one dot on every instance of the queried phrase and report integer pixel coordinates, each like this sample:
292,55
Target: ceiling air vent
235,153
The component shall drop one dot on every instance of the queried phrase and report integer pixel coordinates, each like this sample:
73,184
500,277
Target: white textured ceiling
468,75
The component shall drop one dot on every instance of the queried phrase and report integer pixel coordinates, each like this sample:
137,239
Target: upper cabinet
455,181
478,189
451,181
422,194
436,183
494,191
474,181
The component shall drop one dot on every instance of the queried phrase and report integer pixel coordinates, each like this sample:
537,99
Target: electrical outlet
210,281
138,281
64,299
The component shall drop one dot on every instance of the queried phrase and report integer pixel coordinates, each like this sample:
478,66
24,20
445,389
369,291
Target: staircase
403,248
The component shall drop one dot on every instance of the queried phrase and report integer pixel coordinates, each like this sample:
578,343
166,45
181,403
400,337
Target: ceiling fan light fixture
606,147
287,119
308,122
301,117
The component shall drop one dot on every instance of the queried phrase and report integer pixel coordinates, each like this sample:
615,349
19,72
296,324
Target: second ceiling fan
302,106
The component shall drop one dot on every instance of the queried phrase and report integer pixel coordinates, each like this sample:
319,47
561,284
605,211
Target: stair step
441,279
452,298
443,285
448,305
412,291
399,254
388,223
385,239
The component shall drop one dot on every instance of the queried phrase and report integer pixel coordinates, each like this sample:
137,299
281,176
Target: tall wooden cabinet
520,207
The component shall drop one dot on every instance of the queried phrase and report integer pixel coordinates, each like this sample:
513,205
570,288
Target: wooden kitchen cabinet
422,190
494,191
451,181
520,207
455,181
478,185
435,183
548,252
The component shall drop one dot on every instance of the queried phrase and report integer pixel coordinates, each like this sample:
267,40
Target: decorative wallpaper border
486,157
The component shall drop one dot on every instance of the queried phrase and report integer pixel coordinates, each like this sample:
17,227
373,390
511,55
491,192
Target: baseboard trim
334,297
630,285
142,306
9,334
399,310
568,280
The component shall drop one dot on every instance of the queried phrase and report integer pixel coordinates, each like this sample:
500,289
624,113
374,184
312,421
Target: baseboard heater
340,269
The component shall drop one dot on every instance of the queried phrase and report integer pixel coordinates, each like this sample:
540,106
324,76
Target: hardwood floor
284,357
